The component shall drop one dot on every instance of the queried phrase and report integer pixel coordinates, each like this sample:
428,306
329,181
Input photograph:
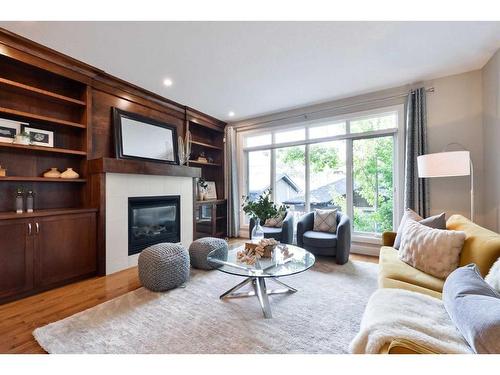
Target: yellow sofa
481,247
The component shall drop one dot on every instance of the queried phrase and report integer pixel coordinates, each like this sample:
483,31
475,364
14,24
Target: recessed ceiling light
167,82
231,114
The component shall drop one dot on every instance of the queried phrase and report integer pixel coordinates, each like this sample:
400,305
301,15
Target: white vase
69,173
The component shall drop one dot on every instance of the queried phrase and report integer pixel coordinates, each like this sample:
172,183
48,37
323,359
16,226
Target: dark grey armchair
324,243
283,234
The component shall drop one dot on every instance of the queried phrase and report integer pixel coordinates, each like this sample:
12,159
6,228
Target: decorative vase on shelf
19,201
52,173
30,201
202,194
257,231
69,173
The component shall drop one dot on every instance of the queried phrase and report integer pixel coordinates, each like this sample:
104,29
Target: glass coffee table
282,263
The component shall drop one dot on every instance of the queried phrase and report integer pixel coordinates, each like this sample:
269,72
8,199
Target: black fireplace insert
153,220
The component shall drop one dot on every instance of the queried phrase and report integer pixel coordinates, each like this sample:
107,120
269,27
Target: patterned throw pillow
325,221
276,221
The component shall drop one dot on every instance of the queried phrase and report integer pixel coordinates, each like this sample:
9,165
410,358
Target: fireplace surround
152,220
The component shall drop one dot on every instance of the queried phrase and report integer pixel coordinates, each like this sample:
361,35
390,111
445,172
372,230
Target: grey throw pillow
436,222
325,221
474,308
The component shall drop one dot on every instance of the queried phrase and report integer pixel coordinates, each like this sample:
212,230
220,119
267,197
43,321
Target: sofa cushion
319,239
493,277
481,247
391,267
325,221
434,251
276,221
474,307
436,221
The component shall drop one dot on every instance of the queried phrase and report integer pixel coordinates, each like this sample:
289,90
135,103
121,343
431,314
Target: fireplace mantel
112,165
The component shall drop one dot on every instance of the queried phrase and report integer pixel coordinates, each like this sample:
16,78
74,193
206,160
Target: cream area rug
322,317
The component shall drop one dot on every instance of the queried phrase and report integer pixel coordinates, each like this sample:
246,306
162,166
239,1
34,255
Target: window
351,163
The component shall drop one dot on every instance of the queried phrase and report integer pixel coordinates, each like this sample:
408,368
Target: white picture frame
211,190
40,137
9,129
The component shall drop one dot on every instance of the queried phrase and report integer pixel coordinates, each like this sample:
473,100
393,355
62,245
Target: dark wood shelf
207,164
47,119
41,179
211,201
220,218
44,149
39,92
112,165
206,145
50,212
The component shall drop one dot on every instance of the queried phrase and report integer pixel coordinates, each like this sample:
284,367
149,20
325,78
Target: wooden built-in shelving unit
210,216
50,102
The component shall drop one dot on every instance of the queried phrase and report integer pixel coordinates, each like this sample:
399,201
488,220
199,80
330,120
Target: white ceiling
255,68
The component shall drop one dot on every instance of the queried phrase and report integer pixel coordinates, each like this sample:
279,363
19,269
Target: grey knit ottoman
200,248
163,266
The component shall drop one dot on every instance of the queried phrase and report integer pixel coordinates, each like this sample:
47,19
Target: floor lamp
448,164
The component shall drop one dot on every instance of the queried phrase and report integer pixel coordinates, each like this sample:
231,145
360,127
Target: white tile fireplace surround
119,187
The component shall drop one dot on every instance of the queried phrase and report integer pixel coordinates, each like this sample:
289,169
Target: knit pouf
163,266
200,248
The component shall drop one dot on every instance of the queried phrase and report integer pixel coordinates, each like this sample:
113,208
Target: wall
454,114
491,129
119,187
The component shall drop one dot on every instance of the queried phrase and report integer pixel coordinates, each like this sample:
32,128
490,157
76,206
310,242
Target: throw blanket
401,314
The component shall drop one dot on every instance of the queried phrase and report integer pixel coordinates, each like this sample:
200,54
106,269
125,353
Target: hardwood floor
18,319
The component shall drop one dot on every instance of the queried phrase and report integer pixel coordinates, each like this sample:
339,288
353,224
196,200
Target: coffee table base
260,290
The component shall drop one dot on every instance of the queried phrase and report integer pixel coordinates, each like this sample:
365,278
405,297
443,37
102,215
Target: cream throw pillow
276,221
433,251
325,221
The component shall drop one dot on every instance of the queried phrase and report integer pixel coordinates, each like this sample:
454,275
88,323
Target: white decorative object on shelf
184,148
52,173
69,173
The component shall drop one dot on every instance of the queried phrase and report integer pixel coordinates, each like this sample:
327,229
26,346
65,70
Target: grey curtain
416,189
233,202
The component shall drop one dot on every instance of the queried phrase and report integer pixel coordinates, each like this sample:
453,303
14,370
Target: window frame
398,158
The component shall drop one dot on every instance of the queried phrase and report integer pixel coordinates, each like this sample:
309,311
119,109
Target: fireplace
152,220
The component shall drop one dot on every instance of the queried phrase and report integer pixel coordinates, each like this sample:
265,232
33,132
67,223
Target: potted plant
202,189
260,210
23,138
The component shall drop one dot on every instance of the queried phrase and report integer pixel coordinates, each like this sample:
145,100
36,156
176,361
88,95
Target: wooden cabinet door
16,257
65,248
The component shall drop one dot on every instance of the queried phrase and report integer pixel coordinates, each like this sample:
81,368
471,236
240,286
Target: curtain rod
430,89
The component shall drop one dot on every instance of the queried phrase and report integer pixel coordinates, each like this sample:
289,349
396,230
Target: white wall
454,114
119,187
491,126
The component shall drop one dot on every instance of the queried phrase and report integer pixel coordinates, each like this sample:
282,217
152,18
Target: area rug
322,317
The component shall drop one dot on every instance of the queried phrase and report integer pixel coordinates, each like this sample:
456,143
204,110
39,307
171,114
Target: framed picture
9,129
211,191
39,137
142,138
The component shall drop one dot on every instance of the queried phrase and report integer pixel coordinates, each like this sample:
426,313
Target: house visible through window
350,163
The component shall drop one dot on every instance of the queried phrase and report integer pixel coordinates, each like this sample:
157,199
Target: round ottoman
200,248
163,266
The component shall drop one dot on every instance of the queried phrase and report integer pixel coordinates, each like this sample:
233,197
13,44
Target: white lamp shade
444,164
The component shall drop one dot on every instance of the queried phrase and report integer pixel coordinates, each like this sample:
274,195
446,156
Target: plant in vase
260,210
23,138
202,189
